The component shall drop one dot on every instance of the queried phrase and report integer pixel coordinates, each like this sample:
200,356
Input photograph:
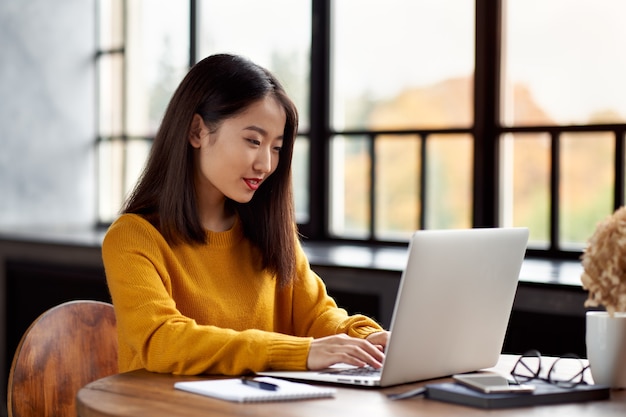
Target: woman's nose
263,161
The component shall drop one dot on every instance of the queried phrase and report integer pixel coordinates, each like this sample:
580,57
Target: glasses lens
567,371
527,367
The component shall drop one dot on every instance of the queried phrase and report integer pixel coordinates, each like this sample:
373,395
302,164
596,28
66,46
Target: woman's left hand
379,339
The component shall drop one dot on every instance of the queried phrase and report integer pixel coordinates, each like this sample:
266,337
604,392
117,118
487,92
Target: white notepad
234,390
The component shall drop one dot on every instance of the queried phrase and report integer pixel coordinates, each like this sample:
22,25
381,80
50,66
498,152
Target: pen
259,384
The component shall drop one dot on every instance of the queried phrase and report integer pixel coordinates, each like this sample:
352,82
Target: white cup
606,348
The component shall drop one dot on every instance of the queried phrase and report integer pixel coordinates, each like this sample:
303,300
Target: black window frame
486,132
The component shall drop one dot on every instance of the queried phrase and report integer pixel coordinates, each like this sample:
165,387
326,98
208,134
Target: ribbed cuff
364,331
290,353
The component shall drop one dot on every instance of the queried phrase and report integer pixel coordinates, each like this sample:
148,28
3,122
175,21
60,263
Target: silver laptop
452,309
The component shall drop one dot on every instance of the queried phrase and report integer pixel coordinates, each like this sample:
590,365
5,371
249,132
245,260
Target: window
277,35
563,114
401,113
111,39
414,113
144,53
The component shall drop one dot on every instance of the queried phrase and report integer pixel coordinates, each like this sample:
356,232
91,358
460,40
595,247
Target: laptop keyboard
364,371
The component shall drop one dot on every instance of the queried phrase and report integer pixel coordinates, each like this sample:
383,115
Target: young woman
204,265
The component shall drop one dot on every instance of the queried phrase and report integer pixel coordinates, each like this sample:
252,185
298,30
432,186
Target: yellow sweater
192,309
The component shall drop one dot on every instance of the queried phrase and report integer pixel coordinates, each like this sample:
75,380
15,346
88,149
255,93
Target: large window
144,53
414,113
563,113
401,79
277,35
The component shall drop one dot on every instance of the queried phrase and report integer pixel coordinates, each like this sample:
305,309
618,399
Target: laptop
451,312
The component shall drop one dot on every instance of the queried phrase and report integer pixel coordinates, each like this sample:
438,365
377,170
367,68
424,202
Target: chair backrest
64,349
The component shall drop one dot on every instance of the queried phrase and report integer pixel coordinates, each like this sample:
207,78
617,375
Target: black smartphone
491,383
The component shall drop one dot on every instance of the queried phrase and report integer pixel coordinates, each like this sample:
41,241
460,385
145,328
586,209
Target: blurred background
415,114
392,96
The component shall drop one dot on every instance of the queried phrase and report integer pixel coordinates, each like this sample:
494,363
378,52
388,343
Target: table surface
142,393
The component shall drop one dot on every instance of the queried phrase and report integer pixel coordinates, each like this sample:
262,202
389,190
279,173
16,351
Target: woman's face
234,161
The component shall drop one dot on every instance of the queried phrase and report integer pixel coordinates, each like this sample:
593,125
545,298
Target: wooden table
142,393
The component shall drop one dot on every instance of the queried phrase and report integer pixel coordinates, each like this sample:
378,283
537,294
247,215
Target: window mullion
372,197
555,178
619,168
422,192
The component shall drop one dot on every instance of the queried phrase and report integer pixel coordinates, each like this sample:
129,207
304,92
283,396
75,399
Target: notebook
452,309
234,390
544,394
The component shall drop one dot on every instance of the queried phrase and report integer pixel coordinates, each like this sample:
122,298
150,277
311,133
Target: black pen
259,384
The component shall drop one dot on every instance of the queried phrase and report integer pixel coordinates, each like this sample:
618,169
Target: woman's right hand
341,348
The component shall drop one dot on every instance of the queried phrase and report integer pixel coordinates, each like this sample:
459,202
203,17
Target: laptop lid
453,306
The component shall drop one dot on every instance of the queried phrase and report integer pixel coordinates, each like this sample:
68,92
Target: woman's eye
277,149
254,141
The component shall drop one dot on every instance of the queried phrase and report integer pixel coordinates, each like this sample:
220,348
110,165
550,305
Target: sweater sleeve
155,335
316,313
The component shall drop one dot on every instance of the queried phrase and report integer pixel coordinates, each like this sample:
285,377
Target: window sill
326,254
393,259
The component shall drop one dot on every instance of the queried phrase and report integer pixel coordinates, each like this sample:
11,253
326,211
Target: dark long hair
217,88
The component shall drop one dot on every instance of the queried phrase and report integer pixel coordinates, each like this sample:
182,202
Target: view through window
400,136
561,67
144,55
280,44
400,67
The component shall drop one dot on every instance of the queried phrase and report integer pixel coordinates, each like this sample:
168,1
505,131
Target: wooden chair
64,349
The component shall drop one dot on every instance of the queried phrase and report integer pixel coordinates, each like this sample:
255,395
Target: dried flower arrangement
604,264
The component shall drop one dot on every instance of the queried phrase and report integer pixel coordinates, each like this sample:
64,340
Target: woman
204,266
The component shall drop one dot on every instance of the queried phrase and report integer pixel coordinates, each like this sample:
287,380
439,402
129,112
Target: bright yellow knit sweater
192,309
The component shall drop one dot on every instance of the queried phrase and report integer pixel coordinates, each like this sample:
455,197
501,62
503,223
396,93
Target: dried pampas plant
604,264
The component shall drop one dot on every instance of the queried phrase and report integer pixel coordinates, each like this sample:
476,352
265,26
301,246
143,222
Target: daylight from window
397,65
562,65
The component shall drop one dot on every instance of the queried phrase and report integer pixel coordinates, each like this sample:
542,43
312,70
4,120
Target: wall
47,112
47,117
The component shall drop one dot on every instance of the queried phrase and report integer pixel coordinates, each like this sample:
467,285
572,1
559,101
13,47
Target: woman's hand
341,348
379,339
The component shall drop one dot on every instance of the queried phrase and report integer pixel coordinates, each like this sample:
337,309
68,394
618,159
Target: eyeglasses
567,371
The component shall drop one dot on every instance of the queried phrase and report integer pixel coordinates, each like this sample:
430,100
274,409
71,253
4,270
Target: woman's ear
197,131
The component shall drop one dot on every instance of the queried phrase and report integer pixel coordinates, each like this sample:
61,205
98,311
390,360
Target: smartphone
491,383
